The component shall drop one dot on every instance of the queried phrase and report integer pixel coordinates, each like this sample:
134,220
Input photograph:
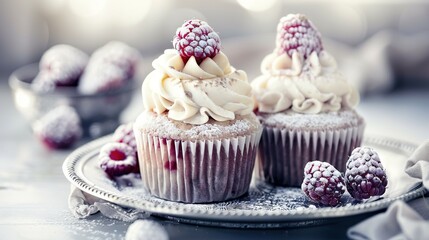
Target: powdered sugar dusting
132,193
93,228
162,126
261,197
328,120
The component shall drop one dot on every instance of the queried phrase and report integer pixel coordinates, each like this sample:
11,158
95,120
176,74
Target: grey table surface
33,190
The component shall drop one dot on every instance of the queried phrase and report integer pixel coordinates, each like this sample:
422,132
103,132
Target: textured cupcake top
299,75
193,87
159,125
311,122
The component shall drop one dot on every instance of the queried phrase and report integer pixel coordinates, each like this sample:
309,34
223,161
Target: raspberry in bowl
56,80
197,136
60,66
109,68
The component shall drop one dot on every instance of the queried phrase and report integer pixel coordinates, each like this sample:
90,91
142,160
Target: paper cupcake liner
197,171
283,154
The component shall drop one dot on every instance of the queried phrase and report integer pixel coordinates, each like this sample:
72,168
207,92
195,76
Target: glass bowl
99,113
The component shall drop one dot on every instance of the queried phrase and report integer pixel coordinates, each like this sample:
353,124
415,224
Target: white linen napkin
402,221
82,205
418,165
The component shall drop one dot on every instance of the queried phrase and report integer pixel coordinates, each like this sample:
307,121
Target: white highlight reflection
122,12
87,8
129,12
257,5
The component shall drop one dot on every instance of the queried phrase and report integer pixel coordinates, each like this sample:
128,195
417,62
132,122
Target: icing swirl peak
192,92
172,64
311,86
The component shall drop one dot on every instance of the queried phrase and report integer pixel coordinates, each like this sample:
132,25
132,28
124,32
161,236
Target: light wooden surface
33,190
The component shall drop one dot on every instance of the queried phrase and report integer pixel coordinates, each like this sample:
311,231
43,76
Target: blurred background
381,45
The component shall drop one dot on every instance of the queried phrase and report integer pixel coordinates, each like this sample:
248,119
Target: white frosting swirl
310,86
193,92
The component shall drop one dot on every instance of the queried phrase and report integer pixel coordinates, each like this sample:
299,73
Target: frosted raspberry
102,78
43,82
323,183
125,134
146,230
61,65
110,67
196,38
119,54
117,159
297,33
59,128
365,175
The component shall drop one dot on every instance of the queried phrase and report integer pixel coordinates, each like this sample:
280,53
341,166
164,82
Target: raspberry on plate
117,159
125,134
323,183
59,128
295,32
196,38
365,175
61,65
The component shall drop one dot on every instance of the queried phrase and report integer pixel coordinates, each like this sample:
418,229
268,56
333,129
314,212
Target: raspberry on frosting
295,32
196,38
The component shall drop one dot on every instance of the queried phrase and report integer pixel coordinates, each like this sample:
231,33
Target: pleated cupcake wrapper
283,153
197,171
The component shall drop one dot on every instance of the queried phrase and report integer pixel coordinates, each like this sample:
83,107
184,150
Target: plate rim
183,210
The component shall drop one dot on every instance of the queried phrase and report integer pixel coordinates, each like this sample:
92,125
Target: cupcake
197,137
305,106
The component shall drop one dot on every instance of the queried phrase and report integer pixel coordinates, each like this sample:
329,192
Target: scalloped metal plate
264,206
